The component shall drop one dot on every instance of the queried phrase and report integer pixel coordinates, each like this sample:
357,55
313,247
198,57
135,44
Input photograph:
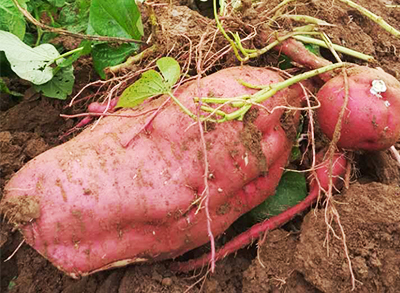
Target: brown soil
288,260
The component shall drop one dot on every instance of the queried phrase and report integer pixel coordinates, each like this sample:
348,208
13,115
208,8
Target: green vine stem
298,34
184,109
245,102
306,19
68,53
375,18
338,48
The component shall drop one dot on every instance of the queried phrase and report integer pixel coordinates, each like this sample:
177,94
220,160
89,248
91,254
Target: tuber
116,195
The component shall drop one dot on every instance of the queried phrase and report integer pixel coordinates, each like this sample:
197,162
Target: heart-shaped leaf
60,86
170,70
150,84
32,64
11,19
116,19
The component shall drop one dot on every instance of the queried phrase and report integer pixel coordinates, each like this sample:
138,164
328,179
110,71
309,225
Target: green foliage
105,55
11,19
5,89
285,62
57,3
74,17
60,86
32,64
315,49
114,19
151,83
35,60
85,48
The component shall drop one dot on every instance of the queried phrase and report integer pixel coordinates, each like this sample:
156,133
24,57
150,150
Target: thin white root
15,251
395,154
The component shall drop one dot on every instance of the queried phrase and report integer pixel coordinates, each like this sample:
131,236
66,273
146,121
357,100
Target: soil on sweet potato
288,260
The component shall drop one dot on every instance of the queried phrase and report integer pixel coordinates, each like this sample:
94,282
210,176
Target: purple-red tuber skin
319,182
372,120
92,204
99,108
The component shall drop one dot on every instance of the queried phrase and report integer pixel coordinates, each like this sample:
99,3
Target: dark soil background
288,260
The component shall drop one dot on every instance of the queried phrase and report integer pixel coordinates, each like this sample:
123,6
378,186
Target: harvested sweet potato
372,118
115,195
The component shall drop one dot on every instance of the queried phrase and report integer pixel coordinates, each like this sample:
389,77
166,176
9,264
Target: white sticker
378,87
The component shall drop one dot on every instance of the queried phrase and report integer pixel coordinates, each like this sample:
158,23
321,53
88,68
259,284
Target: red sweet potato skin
371,122
92,203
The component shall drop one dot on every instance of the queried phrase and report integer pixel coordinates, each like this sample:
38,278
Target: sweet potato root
94,203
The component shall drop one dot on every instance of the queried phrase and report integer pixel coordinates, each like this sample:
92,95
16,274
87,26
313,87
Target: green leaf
315,49
11,19
113,18
5,89
105,55
291,190
170,70
150,84
60,86
32,64
75,17
57,3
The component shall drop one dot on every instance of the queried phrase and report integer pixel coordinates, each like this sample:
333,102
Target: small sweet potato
114,195
372,118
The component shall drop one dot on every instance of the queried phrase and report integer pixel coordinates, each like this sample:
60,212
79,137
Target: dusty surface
289,260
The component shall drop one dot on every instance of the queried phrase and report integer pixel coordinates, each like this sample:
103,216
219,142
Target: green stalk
212,110
66,54
338,48
307,19
222,100
221,29
265,94
184,109
375,18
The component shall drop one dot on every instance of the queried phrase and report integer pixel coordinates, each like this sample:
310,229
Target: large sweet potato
93,203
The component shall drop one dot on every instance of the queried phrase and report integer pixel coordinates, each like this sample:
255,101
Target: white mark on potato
387,104
220,190
246,159
378,87
154,232
134,177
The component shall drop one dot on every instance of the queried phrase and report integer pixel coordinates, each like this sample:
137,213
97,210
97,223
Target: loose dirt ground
289,260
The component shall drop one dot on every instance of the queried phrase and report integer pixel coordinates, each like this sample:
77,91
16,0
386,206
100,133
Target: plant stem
375,18
221,29
306,19
265,94
338,48
184,109
66,54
